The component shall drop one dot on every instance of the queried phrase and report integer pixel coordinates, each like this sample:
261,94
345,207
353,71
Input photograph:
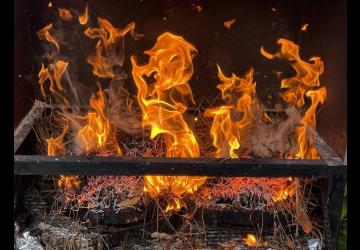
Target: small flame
83,19
228,24
45,34
175,205
96,132
68,182
225,131
304,27
162,106
251,240
106,56
68,185
284,193
55,146
49,4
65,14
54,73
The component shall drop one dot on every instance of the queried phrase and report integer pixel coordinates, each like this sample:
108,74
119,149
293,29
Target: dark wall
23,69
235,50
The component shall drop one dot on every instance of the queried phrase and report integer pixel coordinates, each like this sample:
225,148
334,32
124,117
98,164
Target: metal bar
326,153
97,165
22,131
334,205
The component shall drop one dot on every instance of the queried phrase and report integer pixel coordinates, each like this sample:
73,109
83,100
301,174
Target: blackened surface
235,50
97,165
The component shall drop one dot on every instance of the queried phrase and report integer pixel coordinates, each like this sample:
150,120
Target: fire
45,34
251,241
110,39
68,184
54,73
228,24
83,19
302,84
225,131
55,146
96,133
285,192
65,14
162,105
306,144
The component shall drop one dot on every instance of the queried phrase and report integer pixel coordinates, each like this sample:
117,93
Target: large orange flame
110,39
303,83
170,65
240,95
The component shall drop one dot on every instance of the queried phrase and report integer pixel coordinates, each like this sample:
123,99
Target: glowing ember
228,24
162,105
65,14
198,8
304,27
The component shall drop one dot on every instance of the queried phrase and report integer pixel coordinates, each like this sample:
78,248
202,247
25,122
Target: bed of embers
162,119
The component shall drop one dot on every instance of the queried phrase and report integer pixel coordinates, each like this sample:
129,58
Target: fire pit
117,153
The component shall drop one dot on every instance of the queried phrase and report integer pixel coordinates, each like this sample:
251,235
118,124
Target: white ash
266,138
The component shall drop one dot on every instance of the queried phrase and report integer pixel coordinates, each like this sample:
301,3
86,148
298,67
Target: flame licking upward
83,19
171,67
303,83
240,95
55,146
110,39
45,34
54,73
95,134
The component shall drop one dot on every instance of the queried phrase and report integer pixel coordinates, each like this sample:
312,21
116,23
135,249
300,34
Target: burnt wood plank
97,165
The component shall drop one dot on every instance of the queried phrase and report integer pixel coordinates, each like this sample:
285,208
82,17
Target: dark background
235,50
